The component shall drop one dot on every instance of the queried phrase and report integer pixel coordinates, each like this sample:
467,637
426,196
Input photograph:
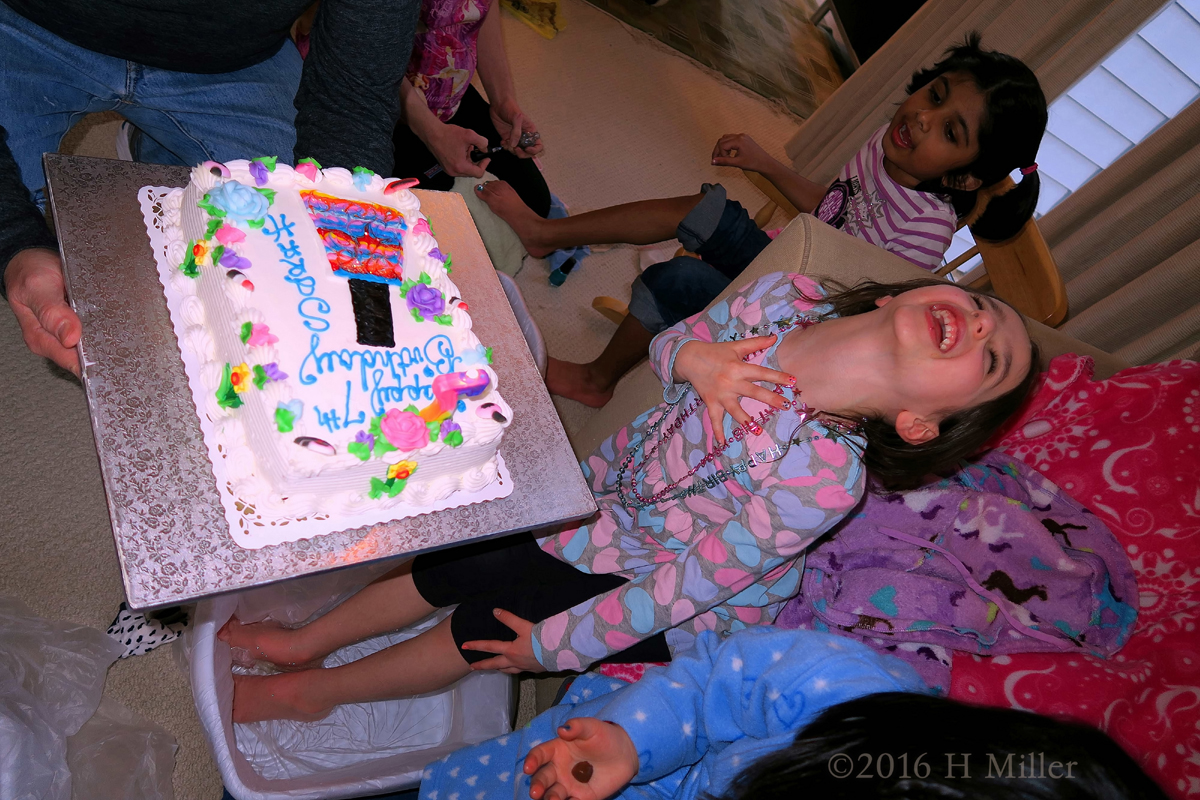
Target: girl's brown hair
893,462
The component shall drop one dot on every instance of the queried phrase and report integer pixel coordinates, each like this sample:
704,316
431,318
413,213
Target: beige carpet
623,117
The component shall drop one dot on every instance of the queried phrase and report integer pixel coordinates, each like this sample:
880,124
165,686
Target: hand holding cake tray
330,356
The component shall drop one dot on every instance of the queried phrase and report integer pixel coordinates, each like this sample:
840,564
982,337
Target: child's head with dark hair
899,745
896,458
970,120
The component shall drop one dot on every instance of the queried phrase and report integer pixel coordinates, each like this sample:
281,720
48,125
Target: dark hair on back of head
895,745
895,463
1011,133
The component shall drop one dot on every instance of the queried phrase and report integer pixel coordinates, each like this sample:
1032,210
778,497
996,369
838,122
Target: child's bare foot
270,642
282,696
577,382
504,202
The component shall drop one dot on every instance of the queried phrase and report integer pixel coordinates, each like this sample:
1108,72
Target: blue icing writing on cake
340,368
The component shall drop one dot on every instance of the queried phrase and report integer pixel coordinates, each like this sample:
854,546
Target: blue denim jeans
47,84
719,231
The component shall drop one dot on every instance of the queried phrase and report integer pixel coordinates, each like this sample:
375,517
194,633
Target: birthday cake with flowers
330,354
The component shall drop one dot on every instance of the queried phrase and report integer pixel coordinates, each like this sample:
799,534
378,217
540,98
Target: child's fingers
575,728
543,780
745,347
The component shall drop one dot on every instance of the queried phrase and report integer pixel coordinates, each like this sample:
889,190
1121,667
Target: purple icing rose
438,254
231,260
365,438
426,299
274,372
448,428
259,172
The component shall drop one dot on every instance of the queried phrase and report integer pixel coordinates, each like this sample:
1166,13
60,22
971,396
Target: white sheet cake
326,345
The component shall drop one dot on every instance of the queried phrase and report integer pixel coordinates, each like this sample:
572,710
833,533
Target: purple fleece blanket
996,559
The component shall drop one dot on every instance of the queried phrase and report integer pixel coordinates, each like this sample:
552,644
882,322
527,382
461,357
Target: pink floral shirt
720,551
444,54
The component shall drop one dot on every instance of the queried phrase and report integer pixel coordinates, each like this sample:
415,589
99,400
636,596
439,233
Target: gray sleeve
21,224
349,96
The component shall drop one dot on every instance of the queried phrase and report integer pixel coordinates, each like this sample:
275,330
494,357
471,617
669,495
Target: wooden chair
1021,271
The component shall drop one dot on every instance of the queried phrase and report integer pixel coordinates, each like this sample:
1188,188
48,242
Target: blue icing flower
239,202
362,178
793,513
745,546
641,610
476,355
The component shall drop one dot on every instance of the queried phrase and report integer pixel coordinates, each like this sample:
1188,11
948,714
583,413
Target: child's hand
511,657
583,744
739,150
720,376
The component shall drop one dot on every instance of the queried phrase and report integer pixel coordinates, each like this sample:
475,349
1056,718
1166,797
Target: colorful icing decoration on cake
347,393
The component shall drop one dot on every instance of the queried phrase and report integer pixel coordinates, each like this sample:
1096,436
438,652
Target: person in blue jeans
201,80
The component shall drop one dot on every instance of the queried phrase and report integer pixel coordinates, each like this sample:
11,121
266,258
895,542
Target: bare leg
390,603
643,222
422,664
592,384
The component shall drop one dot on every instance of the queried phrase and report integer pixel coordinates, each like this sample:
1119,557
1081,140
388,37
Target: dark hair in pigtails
1008,139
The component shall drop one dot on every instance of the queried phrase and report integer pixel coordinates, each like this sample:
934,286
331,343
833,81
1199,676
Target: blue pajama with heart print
697,722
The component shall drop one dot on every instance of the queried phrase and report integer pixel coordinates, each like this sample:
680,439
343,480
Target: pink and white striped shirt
865,202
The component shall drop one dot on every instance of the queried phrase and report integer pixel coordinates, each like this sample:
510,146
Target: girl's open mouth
946,327
902,136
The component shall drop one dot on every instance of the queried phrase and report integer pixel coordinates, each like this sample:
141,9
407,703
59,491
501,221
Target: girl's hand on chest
720,375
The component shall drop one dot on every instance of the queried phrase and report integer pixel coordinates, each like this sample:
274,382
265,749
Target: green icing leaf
362,171
449,261
454,439
216,254
443,319
435,428
189,267
410,408
284,419
268,162
256,224
425,279
378,487
260,374
405,285
312,161
227,396
382,445
359,450
213,224
487,351
416,314
267,193
210,208
247,329
396,486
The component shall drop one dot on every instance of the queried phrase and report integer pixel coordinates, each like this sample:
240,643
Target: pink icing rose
404,430
228,234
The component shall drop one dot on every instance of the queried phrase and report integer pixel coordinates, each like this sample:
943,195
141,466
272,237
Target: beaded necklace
754,426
